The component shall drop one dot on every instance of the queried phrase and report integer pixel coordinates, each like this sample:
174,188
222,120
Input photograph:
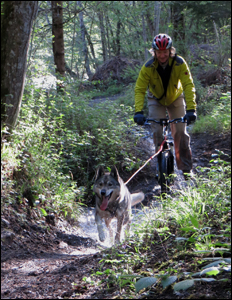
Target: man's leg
181,138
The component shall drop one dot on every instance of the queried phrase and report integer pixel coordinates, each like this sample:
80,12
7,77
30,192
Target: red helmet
162,42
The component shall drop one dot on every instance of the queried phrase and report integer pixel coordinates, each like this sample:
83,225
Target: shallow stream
139,214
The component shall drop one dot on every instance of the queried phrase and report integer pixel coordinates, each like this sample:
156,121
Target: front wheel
163,171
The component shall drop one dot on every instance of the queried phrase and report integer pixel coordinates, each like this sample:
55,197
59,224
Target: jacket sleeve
141,88
188,87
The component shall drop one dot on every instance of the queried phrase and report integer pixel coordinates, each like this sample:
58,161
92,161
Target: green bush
217,116
60,140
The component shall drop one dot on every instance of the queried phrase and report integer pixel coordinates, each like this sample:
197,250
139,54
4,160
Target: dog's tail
136,198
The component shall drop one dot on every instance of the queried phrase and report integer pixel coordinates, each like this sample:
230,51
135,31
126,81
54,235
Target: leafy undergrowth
50,160
183,249
215,118
163,259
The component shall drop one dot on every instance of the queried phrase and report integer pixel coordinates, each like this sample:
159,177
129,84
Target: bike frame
165,156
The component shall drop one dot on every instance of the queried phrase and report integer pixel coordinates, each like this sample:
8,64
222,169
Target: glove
190,116
139,118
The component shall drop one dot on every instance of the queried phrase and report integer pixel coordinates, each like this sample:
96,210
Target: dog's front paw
117,239
102,236
101,233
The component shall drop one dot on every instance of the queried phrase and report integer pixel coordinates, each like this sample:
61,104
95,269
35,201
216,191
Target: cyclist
167,76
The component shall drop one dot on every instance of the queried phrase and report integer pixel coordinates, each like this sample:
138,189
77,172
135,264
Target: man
167,76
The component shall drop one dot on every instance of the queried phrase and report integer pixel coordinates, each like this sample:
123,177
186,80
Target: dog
113,200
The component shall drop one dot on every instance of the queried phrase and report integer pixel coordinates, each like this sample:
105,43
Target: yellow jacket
180,80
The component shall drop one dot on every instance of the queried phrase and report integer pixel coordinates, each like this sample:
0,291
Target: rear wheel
163,171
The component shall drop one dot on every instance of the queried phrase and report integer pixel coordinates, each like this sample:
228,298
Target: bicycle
165,154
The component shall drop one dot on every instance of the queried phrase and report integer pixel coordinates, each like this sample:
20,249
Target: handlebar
165,121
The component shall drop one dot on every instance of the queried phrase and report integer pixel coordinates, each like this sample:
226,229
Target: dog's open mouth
105,200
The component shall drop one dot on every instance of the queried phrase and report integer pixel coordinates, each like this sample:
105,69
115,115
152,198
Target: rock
4,222
7,236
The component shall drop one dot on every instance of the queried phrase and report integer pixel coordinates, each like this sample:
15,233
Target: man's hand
190,116
139,118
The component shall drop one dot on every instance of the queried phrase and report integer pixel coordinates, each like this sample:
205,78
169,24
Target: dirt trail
40,263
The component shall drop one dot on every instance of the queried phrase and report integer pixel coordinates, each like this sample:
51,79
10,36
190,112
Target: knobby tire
166,167
163,170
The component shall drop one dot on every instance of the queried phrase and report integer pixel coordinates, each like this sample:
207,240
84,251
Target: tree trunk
118,42
144,33
91,48
157,7
149,23
108,38
220,58
178,26
16,25
58,36
112,34
85,49
168,22
103,35
74,32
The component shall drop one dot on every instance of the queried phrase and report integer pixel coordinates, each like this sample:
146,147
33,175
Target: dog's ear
100,171
114,173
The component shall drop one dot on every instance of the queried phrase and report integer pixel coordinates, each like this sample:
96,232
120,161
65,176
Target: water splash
89,227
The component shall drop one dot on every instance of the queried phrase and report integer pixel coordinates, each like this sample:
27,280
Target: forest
68,75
